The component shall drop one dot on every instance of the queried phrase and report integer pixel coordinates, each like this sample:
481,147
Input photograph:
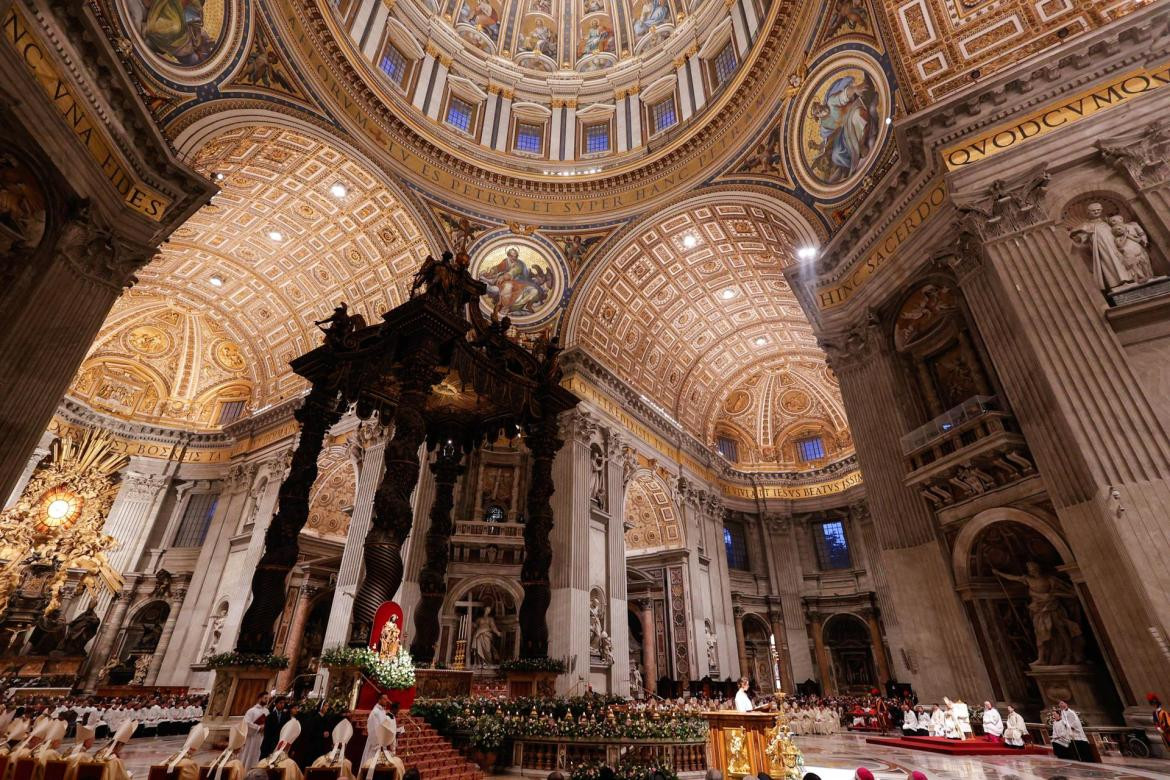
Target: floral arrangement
396,673
541,664
264,660
596,716
488,734
649,769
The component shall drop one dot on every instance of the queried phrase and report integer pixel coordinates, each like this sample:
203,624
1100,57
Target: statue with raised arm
483,638
1059,639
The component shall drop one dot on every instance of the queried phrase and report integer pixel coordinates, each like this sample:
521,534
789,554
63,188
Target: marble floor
835,758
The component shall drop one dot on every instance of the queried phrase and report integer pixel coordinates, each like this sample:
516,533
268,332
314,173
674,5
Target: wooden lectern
747,743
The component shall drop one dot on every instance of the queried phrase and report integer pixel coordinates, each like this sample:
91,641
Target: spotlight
338,190
219,177
276,235
889,120
689,241
807,253
761,341
216,280
727,294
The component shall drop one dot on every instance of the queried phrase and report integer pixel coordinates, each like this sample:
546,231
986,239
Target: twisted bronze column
543,442
393,514
432,579
317,415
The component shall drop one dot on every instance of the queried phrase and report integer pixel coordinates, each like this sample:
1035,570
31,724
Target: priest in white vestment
938,722
254,721
1014,729
373,723
992,723
743,702
909,722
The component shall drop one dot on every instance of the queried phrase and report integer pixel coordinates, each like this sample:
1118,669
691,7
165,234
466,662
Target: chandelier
57,522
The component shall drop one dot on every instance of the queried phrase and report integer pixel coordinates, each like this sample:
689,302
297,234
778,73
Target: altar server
254,720
909,722
1080,741
992,723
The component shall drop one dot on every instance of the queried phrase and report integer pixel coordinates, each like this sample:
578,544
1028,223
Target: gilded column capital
579,425
89,244
143,487
240,476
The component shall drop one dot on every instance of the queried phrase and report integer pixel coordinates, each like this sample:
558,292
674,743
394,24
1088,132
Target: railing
490,531
545,754
971,409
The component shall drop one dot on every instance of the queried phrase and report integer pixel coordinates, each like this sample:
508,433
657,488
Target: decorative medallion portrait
524,280
840,124
148,340
183,32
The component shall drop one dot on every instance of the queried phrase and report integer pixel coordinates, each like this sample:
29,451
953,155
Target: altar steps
957,747
435,758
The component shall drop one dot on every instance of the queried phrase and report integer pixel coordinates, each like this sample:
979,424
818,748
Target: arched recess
847,639
332,496
1035,621
680,301
312,642
651,515
465,605
759,648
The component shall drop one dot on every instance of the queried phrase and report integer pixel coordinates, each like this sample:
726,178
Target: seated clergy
182,766
342,733
24,749
1014,729
992,723
909,722
383,761
109,756
49,749
14,735
938,722
227,765
279,759
80,751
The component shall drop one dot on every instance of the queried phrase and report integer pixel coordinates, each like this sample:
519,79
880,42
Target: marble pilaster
103,644
168,632
615,565
37,456
131,518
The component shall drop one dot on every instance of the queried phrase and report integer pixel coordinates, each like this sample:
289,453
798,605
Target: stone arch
965,541
654,518
453,623
758,651
847,638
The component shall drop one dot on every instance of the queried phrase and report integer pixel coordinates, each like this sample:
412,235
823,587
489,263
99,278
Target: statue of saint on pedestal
390,639
483,638
83,628
1111,254
1059,639
596,625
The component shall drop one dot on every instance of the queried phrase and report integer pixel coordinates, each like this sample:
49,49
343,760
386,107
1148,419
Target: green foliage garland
397,673
263,660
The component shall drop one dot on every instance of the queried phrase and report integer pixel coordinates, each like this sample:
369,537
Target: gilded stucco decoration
652,522
943,46
331,501
57,522
777,405
690,300
162,362
298,227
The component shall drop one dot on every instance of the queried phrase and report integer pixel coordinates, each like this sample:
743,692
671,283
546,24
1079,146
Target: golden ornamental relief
227,355
148,340
738,762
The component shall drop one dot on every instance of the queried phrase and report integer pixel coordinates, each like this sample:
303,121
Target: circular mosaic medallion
184,39
525,280
148,340
840,124
795,401
228,356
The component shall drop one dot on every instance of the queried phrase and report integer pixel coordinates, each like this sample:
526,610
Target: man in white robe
992,723
254,721
1080,741
743,702
373,723
1014,729
938,722
909,722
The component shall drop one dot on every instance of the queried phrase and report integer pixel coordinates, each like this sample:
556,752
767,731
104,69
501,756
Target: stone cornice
77,413
264,418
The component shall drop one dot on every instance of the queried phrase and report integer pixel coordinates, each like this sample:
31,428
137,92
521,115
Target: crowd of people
153,715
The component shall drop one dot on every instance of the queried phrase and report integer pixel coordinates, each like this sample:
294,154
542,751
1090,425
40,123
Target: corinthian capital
1008,206
855,346
1141,153
142,487
778,523
578,425
91,247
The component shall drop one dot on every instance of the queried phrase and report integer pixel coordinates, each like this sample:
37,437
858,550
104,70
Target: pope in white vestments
254,722
1014,729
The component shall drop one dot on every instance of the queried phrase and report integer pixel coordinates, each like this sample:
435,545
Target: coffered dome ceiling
297,227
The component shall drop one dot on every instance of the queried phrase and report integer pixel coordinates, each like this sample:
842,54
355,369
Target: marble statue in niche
1117,249
81,629
1059,638
215,631
596,475
596,621
484,637
712,647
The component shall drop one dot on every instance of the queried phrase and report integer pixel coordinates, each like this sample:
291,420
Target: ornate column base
234,690
1081,686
